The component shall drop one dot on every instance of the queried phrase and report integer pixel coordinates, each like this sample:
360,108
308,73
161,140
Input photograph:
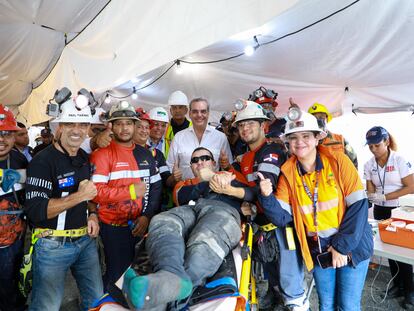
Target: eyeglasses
243,124
6,134
195,160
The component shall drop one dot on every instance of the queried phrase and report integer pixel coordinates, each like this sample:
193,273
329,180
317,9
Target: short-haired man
186,244
21,141
47,138
129,191
198,135
57,193
12,225
178,103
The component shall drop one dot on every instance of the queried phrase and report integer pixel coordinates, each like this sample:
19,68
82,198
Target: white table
394,252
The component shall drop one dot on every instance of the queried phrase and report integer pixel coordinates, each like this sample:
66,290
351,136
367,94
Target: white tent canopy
130,38
365,47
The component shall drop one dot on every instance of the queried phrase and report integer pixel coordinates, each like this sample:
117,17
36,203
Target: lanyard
314,199
382,182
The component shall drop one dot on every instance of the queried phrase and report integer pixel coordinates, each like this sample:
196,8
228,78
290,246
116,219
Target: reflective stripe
322,206
355,197
211,243
100,178
155,178
269,168
128,174
285,206
324,233
164,169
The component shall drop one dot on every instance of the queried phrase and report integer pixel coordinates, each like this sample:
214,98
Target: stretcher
236,292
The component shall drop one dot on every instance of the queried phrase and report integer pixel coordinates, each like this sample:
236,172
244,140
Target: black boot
393,292
408,303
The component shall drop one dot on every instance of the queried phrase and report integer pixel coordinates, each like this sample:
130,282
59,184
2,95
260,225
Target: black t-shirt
176,128
39,148
17,161
53,174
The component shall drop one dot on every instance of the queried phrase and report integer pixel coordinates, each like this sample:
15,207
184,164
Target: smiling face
250,131
157,130
6,143
123,130
303,144
201,159
72,135
199,114
142,130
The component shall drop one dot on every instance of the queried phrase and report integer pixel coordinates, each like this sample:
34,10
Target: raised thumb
109,126
261,177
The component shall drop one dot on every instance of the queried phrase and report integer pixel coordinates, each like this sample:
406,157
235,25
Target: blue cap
376,134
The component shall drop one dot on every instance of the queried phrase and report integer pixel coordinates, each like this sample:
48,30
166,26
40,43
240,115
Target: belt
63,239
72,233
289,234
268,227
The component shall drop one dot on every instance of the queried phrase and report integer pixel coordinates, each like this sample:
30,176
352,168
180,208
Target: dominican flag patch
272,157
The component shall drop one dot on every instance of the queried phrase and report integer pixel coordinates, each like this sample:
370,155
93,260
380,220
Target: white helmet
159,114
70,114
251,111
96,117
306,123
178,98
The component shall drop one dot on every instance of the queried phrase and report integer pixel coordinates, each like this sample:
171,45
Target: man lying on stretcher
188,243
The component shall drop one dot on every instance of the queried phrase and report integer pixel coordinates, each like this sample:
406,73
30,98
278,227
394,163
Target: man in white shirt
198,135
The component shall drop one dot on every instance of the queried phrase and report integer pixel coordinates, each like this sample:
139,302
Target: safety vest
169,136
335,142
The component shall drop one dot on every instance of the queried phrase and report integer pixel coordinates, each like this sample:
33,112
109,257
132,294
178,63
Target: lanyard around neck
314,198
382,182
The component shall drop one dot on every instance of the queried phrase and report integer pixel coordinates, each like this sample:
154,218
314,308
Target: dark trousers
10,260
119,249
402,272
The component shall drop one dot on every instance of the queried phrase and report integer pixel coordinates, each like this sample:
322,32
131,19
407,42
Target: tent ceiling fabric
129,38
32,36
367,48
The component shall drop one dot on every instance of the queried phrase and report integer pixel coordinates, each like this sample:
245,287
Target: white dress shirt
186,141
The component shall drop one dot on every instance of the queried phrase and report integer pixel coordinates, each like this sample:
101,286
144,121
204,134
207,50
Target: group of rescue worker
187,186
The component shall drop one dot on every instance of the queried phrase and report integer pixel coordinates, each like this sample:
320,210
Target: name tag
66,182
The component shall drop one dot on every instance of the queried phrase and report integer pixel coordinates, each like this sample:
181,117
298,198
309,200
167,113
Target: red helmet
142,114
264,96
7,120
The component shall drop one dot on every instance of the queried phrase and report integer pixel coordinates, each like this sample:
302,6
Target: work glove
8,178
377,198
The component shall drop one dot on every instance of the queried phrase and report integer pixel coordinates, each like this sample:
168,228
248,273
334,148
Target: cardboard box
396,236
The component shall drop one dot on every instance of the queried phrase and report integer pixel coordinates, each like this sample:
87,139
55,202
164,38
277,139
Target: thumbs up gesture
266,186
176,172
224,160
292,103
104,138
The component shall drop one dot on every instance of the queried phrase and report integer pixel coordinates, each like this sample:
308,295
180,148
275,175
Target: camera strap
314,198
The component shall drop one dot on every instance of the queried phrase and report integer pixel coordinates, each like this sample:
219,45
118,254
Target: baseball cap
45,132
376,135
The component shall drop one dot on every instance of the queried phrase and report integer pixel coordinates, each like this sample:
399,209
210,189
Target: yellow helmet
316,107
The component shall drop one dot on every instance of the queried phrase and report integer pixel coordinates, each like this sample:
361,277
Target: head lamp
294,114
81,102
240,104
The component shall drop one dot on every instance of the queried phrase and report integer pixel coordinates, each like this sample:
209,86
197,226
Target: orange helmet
7,120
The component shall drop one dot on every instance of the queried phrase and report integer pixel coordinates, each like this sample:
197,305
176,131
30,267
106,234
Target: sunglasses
195,160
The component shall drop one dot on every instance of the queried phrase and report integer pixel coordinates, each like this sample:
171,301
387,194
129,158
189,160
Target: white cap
251,111
96,117
306,123
70,114
178,98
159,114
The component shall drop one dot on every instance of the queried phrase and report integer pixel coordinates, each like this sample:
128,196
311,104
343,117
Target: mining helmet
70,113
316,107
251,111
122,110
306,123
159,114
7,120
